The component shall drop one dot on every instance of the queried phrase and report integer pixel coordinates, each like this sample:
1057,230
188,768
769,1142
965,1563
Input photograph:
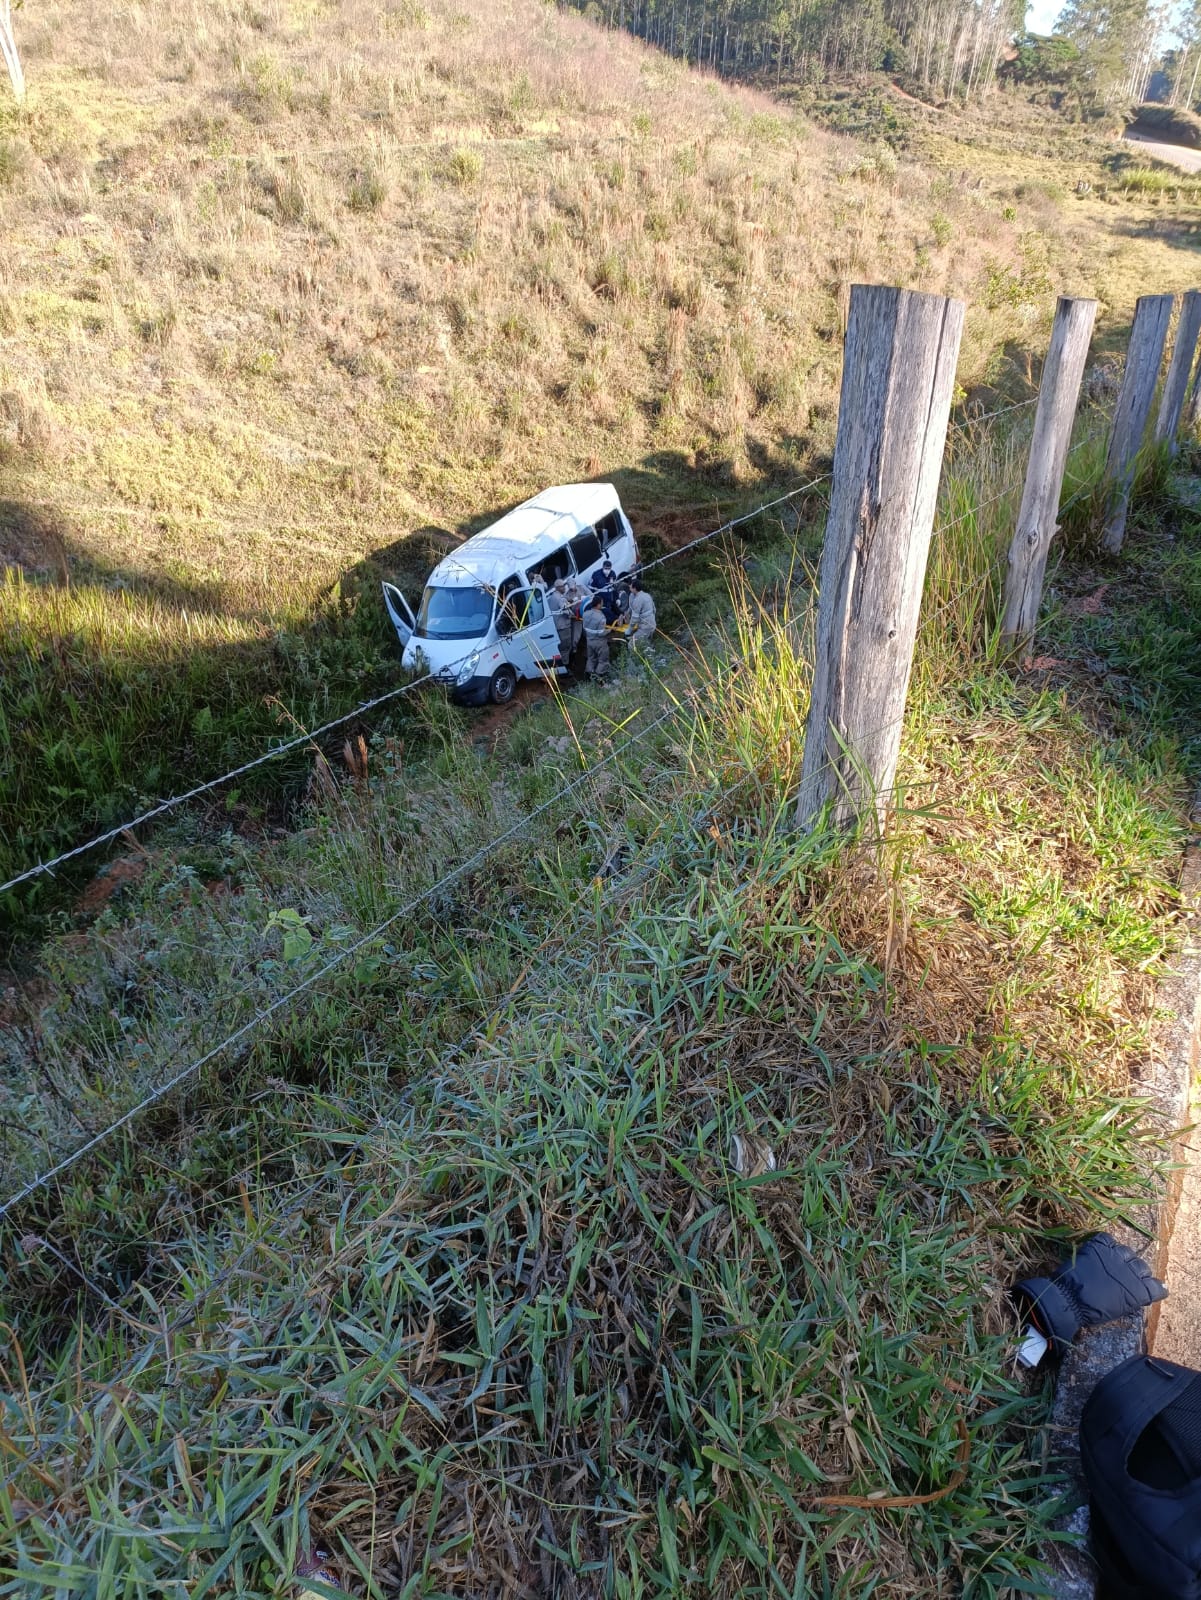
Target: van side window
519,608
552,567
586,550
507,604
609,528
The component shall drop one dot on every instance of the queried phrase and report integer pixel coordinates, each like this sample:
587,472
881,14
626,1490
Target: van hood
449,657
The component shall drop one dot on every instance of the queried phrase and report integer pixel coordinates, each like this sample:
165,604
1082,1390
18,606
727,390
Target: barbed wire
734,522
312,735
196,1066
193,1067
167,1331
972,420
214,783
426,895
366,706
402,690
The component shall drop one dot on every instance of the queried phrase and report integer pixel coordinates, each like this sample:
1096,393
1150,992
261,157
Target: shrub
12,161
368,191
464,166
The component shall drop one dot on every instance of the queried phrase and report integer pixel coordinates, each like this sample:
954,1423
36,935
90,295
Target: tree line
1103,51
947,45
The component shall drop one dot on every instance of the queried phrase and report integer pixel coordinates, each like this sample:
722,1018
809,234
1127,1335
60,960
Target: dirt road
1177,155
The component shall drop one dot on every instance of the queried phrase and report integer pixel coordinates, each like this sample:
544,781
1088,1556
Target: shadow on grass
120,684
1135,624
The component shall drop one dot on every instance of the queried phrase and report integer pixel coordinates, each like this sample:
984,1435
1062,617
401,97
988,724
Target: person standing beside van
613,595
562,609
577,599
642,616
597,635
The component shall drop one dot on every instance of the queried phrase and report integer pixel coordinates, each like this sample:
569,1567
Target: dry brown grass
336,272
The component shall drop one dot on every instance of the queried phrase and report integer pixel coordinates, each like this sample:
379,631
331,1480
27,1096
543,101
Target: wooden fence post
1152,315
1167,424
1193,409
898,375
1036,524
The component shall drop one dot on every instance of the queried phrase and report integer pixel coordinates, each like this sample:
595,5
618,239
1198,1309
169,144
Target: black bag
1140,1444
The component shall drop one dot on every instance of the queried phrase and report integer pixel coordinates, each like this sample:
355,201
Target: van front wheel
503,686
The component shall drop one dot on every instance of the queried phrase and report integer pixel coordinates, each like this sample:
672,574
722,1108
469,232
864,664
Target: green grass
544,1298
208,419
448,1268
1142,635
116,696
1159,181
460,1274
118,693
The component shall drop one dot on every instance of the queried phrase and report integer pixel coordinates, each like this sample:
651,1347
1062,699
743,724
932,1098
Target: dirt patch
126,869
912,99
488,724
676,528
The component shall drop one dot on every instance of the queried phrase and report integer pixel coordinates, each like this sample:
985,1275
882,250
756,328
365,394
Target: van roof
534,529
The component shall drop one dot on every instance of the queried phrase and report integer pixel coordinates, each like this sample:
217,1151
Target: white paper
1033,1348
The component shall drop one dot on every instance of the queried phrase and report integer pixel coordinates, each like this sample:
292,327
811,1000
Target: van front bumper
472,693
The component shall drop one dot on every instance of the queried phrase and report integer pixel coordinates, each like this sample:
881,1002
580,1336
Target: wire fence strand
312,735
187,1318
456,872
335,961
162,807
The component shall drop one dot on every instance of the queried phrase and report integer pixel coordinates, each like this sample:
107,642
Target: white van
483,620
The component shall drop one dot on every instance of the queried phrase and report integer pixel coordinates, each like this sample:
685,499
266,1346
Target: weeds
1142,633
243,252
514,1276
520,1281
450,1270
110,691
464,166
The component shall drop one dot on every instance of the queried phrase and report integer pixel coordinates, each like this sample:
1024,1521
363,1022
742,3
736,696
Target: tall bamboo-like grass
979,494
1086,496
1160,183
979,498
756,681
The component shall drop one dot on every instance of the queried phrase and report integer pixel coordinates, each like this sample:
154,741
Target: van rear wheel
503,686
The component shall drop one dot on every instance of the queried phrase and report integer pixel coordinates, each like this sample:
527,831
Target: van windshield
457,613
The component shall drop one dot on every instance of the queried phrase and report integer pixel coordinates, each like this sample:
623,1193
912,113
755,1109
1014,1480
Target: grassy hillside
466,1263
287,286
469,1269
1176,124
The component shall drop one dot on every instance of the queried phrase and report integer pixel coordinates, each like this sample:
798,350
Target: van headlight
467,670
